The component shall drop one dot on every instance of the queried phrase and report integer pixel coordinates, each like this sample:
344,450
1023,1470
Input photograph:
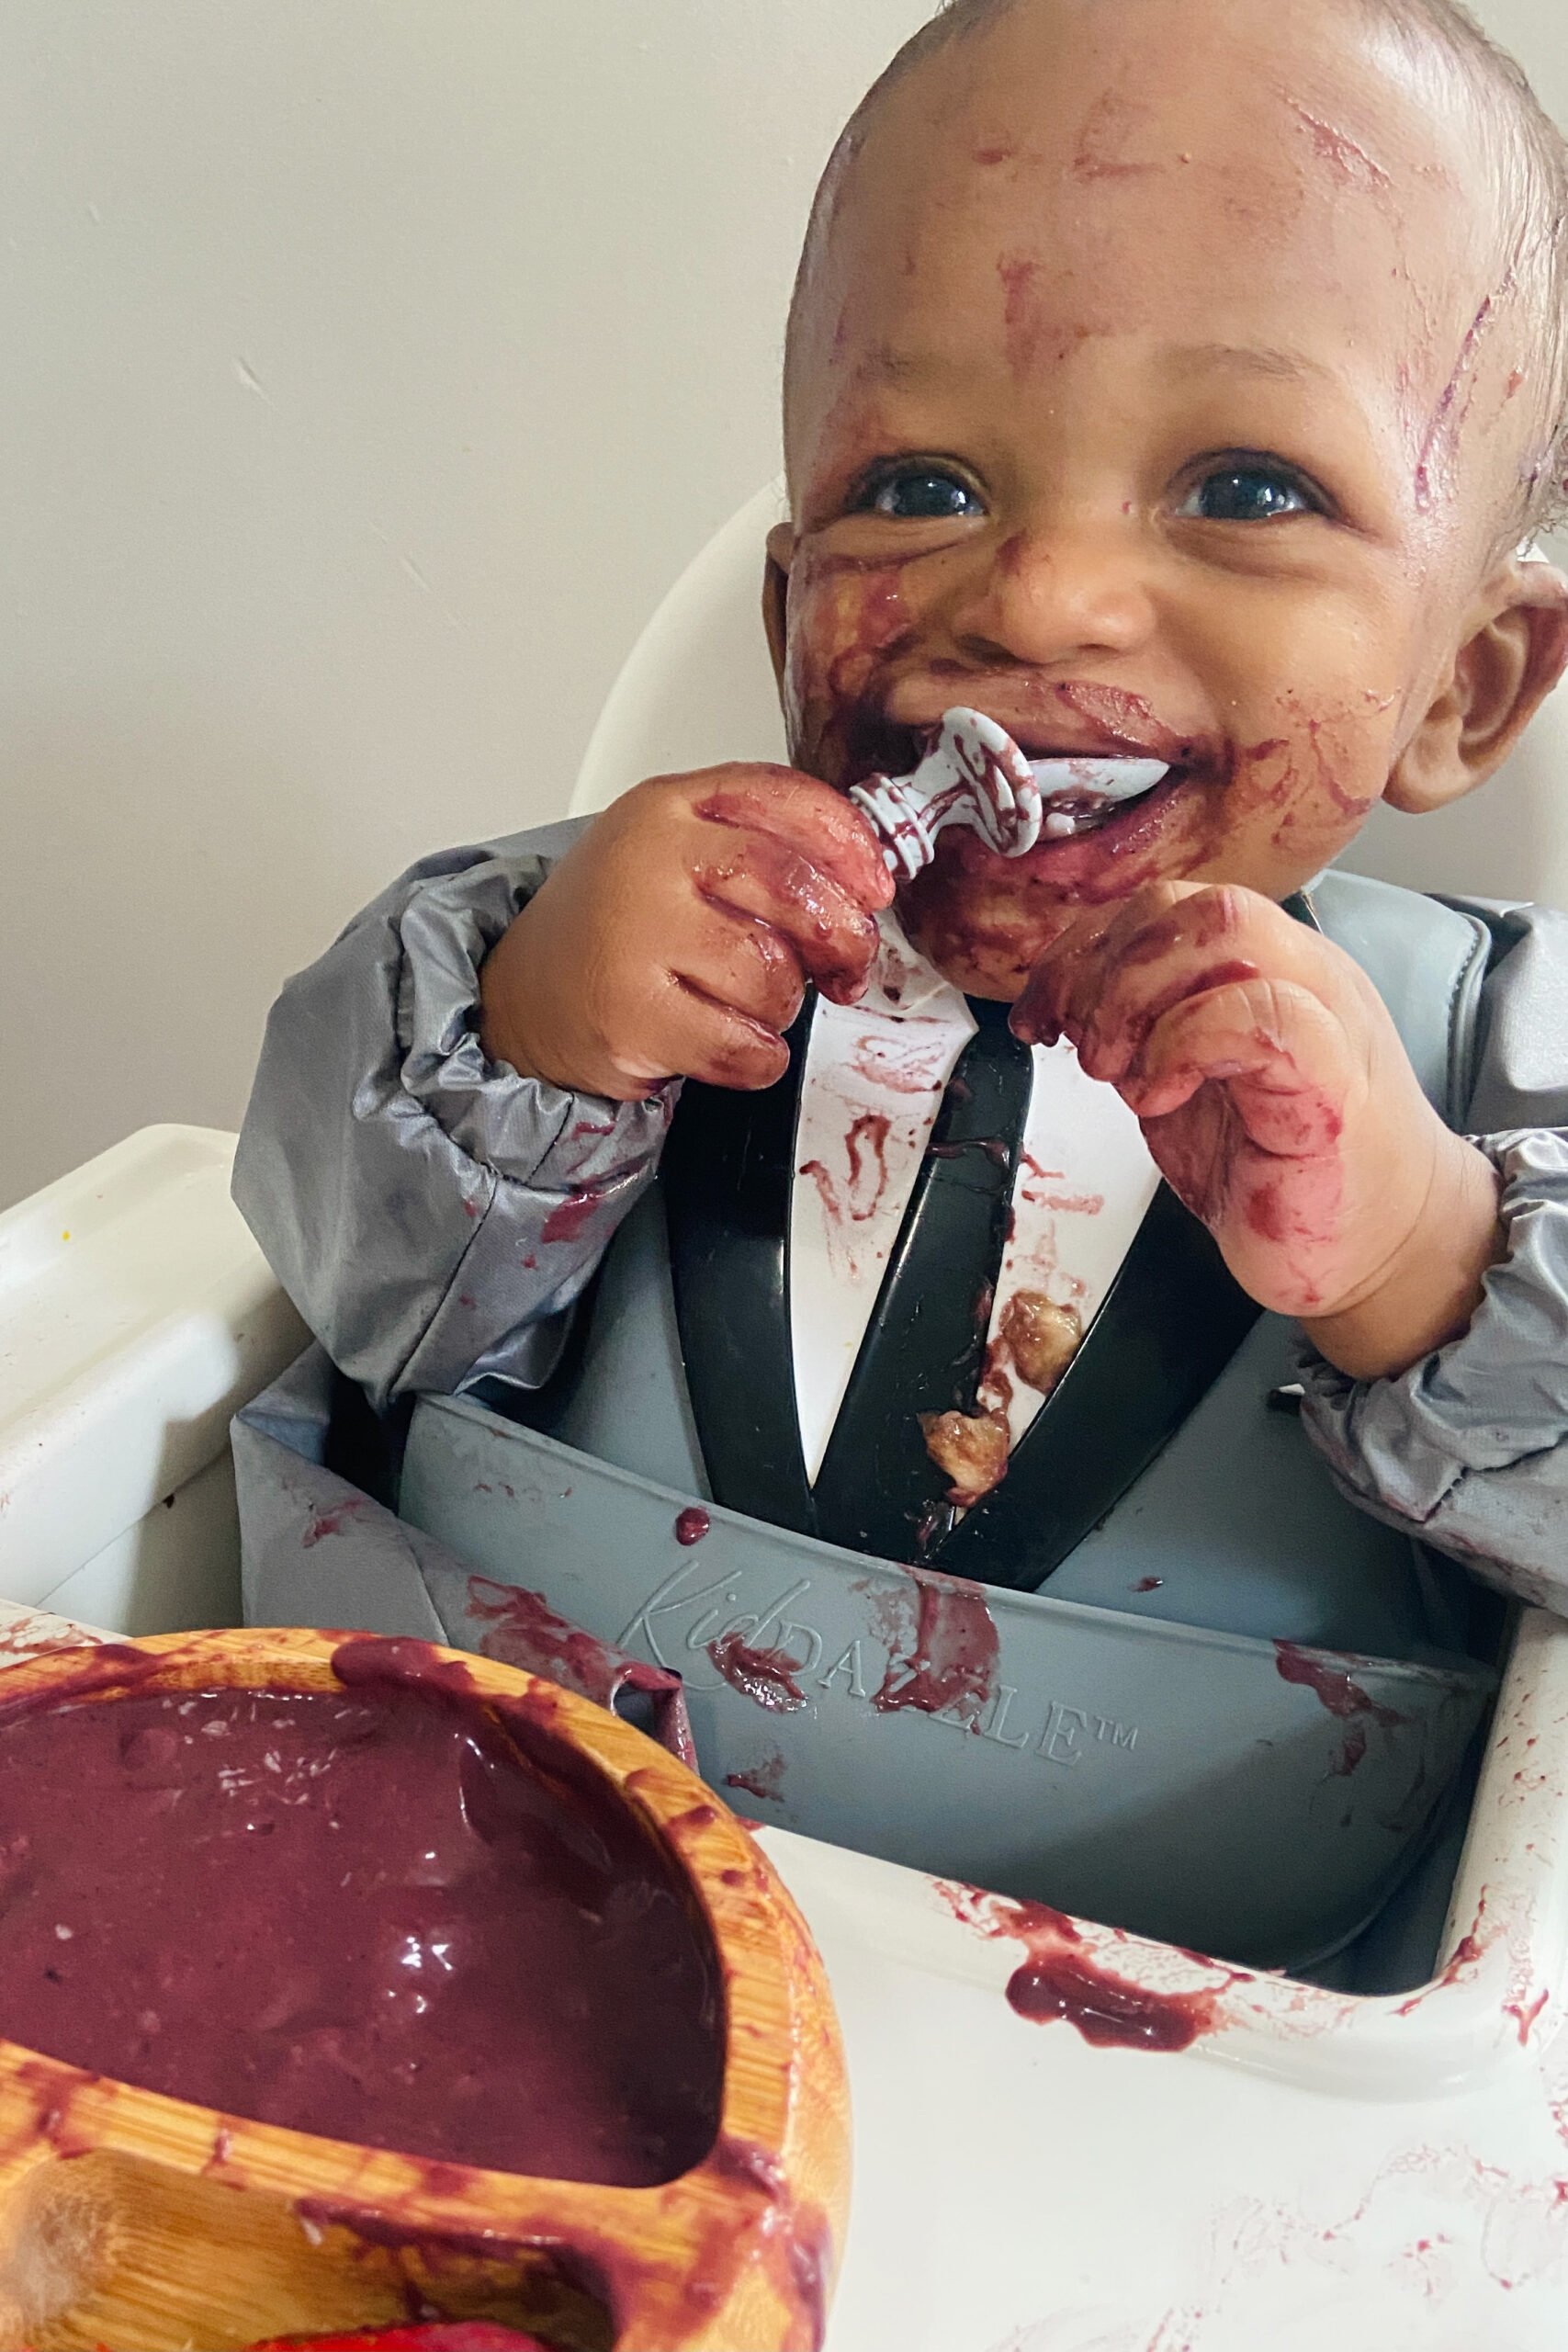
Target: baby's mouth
1017,796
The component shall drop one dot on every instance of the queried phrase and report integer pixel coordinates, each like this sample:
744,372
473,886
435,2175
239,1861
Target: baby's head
1177,376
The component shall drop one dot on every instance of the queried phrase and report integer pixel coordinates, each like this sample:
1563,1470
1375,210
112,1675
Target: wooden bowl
145,2222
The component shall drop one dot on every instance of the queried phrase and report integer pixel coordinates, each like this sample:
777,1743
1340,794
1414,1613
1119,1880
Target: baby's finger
1275,1045
1167,949
811,818
739,962
753,874
724,1047
1207,939
1071,969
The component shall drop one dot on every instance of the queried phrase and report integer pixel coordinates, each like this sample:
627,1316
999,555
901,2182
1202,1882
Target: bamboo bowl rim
713,2218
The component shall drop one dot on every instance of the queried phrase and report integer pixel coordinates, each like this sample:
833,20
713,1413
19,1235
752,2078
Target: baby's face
1157,390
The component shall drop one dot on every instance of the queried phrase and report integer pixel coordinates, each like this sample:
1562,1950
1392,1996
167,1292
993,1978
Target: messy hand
1279,1104
675,938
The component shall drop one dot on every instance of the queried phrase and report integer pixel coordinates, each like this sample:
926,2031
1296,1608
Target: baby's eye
917,494
1248,492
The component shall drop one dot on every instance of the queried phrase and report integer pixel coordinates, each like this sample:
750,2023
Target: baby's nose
1052,590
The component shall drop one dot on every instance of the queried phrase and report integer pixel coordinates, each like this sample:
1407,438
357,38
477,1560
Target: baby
1168,378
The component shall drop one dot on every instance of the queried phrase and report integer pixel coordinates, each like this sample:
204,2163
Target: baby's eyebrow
1247,358
885,363
891,363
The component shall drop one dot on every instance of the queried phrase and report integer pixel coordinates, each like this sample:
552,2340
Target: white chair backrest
697,687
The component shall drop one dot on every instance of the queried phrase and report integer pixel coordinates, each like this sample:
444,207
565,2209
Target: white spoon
976,775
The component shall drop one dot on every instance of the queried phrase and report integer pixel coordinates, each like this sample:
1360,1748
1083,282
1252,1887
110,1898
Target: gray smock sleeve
432,1215
1469,1449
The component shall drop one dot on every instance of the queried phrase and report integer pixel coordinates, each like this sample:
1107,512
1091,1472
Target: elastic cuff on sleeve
1494,1396
522,1130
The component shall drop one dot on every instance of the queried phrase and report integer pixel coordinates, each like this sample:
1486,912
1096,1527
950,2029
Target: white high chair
1300,2199
697,688
1388,2173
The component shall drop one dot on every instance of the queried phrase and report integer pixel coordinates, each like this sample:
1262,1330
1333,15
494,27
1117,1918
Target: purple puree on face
360,1913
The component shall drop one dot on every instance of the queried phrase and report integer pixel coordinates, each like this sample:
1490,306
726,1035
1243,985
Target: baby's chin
984,920
983,935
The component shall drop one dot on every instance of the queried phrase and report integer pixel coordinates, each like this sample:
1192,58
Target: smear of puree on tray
362,1913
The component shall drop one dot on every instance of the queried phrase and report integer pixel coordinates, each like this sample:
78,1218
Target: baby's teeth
1058,824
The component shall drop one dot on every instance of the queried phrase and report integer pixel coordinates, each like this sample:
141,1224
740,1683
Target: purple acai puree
359,1913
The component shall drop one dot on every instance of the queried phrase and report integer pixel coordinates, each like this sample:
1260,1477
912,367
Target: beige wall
370,367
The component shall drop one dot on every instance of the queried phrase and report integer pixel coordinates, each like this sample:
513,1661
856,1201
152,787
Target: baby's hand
1280,1103
675,938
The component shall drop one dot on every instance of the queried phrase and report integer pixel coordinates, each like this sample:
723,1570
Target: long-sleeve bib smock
435,1218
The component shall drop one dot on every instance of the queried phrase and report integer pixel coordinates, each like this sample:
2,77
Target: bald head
1444,21
1526,164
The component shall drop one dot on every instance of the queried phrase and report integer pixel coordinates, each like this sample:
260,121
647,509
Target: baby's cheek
1297,798
848,620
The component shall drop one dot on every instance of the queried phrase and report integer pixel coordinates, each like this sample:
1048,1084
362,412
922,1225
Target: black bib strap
878,1490
726,1177
1174,1318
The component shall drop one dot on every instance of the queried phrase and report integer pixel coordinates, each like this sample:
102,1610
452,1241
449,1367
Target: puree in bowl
366,1912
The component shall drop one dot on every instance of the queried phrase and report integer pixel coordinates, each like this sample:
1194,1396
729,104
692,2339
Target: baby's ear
1514,651
775,592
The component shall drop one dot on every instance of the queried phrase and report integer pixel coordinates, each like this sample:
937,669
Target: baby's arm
402,1185
458,1105
1431,1273
1468,1447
